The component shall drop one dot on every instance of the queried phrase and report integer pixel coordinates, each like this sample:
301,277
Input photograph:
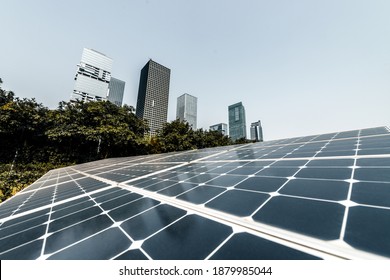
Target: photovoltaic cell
201,194
328,190
369,229
376,194
319,219
239,203
102,246
262,184
244,246
296,198
151,221
192,237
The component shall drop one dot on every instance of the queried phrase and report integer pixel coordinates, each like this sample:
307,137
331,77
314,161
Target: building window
236,114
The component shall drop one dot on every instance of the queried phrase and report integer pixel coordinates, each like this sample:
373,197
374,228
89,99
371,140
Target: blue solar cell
28,235
278,172
239,203
202,178
245,246
331,163
329,190
29,251
120,200
377,194
71,209
103,246
325,173
372,174
74,218
365,162
151,221
319,219
369,229
177,189
123,212
77,232
263,184
201,194
191,238
226,180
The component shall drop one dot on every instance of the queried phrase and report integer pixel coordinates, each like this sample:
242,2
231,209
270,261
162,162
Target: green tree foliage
86,131
179,136
176,136
23,123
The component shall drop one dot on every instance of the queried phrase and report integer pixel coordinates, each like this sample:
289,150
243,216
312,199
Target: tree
91,130
175,136
179,136
22,126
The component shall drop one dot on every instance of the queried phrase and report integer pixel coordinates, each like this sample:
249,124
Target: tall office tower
116,89
92,77
221,127
256,132
237,124
187,109
153,93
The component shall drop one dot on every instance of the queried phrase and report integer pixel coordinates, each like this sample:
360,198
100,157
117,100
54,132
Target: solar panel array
316,197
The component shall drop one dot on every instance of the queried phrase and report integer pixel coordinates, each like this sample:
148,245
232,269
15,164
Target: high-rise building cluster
94,82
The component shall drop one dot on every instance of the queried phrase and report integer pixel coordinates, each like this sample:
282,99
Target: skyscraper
256,132
92,77
187,109
116,89
221,127
237,123
153,93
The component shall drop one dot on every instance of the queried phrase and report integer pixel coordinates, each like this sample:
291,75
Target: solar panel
314,197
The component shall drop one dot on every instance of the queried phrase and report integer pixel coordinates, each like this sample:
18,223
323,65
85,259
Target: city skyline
294,68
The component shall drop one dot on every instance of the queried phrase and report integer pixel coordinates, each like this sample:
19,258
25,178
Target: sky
302,67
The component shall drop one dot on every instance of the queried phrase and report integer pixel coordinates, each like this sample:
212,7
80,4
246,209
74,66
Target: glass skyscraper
116,89
187,109
237,122
153,93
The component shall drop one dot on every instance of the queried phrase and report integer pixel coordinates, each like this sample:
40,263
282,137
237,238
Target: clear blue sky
302,67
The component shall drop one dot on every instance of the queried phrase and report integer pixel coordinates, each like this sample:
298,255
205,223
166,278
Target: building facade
237,122
116,88
187,109
92,77
257,132
221,127
153,94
